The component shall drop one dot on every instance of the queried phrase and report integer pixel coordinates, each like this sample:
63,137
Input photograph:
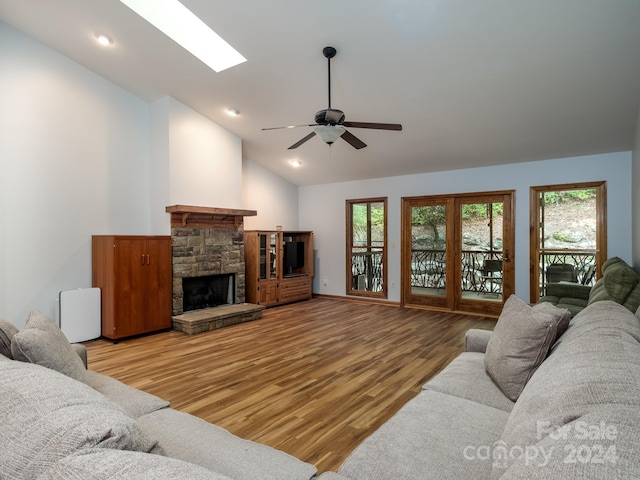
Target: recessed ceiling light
296,163
104,39
187,30
233,112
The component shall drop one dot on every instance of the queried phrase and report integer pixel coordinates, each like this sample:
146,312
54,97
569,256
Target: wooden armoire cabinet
279,266
134,275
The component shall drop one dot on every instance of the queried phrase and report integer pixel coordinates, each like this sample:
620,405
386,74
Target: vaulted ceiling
472,82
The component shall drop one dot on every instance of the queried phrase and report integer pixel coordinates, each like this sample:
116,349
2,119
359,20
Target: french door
457,251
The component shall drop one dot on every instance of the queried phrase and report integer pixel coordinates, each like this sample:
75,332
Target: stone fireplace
208,259
208,291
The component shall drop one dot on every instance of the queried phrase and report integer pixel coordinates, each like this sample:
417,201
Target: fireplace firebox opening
208,291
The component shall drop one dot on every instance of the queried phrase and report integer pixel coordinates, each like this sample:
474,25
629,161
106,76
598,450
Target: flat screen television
293,256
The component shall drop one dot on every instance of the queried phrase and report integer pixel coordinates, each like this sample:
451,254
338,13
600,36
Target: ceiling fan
330,122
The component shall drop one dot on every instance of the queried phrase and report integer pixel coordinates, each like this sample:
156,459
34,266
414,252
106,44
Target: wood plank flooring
312,378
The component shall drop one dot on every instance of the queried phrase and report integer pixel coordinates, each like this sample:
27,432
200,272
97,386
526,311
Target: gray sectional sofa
536,398
534,403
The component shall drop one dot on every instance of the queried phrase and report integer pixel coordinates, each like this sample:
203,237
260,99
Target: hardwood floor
312,378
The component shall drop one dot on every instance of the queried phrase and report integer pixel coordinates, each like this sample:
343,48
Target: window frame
383,293
534,228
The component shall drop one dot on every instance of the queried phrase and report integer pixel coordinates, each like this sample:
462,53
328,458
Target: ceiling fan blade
377,126
301,141
352,140
291,126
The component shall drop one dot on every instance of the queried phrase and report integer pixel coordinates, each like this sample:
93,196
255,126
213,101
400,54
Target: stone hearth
199,321
209,241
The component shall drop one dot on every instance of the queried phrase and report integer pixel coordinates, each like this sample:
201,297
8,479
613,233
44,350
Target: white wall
322,209
635,206
205,161
275,199
194,161
159,174
74,161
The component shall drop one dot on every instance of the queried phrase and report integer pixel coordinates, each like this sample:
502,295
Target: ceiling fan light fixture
329,133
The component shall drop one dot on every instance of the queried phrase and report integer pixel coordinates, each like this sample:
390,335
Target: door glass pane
568,232
367,241
481,269
428,250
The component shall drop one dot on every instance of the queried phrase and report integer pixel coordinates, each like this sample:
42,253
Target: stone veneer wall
199,252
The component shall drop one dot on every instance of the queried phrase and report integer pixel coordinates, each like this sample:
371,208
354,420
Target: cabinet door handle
148,262
143,259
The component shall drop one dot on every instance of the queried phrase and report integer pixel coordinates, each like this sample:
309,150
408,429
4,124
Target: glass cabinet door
273,248
268,246
264,261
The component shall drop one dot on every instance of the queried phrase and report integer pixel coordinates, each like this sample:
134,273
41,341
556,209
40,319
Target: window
366,247
568,234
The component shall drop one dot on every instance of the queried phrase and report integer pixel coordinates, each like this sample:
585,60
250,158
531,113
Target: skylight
182,26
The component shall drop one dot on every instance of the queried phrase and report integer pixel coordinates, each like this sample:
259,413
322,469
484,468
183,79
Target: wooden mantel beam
207,217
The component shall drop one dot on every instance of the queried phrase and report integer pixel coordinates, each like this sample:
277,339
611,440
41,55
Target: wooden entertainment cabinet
279,266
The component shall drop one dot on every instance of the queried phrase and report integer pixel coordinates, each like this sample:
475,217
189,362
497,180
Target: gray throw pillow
520,342
561,316
43,343
7,331
46,416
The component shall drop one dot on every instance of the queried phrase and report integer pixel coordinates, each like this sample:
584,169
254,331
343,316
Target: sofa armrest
568,290
81,350
476,340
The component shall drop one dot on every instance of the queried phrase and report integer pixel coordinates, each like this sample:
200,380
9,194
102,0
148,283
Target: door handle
506,255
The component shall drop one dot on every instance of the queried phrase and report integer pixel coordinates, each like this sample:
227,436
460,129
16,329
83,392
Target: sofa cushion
619,279
193,440
568,290
520,342
133,401
589,383
7,331
574,305
103,464
331,476
43,343
46,416
466,377
619,283
476,340
434,435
